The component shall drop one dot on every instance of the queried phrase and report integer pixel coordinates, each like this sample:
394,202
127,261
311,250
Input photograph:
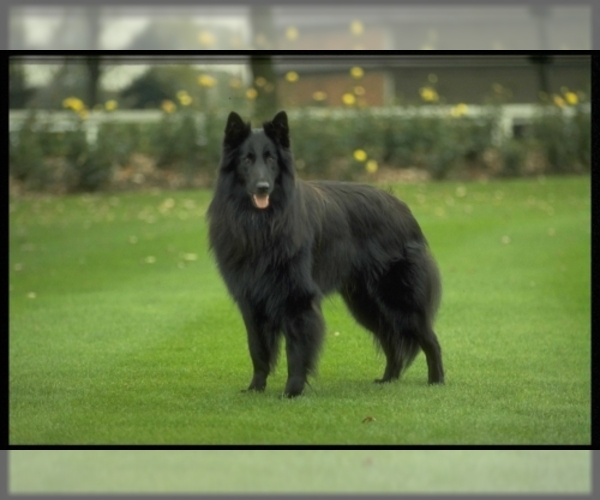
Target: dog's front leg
303,329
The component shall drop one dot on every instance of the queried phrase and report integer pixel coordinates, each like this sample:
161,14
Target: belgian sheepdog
282,244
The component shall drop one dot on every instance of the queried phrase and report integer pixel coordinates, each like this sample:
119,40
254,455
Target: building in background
470,79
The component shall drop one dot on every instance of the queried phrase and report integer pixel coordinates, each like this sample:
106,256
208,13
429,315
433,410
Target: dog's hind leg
368,313
408,294
400,331
433,352
412,333
400,349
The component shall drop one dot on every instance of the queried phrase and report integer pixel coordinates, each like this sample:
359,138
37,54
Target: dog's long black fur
282,244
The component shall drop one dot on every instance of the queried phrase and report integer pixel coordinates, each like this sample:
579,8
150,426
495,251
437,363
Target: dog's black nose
262,187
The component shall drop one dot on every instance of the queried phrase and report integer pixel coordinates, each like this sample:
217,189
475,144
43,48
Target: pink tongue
261,201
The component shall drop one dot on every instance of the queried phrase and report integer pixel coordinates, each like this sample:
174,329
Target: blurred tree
265,84
93,66
151,88
19,93
203,89
69,80
542,62
263,74
93,62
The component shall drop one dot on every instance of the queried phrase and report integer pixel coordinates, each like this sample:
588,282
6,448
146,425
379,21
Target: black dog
281,244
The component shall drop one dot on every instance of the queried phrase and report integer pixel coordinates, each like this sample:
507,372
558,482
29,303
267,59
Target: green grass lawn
121,330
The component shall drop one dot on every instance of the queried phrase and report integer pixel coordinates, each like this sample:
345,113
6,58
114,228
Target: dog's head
258,157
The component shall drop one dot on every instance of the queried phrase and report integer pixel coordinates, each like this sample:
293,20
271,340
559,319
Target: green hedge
325,145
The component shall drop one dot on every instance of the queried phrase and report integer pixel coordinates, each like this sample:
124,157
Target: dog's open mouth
260,200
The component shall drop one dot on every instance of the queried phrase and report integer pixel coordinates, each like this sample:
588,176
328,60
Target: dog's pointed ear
235,130
278,129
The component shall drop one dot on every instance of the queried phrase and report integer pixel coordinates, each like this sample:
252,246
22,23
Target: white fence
510,115
65,121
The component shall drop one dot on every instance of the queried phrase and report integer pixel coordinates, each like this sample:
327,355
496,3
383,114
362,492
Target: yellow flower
207,81
168,106
360,155
558,100
371,166
185,100
83,113
110,105
357,72
73,103
291,33
428,94
291,76
251,93
572,98
319,96
348,99
260,81
459,110
356,28
358,90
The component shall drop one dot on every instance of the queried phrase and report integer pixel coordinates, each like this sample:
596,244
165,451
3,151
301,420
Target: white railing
509,115
67,121
62,121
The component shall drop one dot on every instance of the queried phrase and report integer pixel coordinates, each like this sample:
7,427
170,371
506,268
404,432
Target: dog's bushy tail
407,350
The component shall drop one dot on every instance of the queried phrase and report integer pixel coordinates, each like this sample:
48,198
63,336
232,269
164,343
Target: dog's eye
248,160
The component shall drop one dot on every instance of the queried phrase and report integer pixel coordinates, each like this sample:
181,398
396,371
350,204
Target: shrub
315,143
26,155
564,140
324,143
514,153
88,167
